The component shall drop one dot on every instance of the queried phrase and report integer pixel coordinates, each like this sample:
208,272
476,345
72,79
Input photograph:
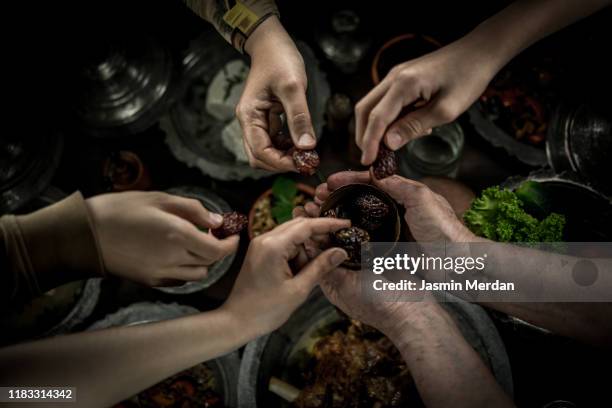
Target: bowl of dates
374,218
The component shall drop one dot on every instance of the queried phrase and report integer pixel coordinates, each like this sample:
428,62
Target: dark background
47,40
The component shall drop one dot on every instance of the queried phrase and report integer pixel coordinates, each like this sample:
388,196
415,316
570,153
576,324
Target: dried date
233,223
306,161
371,211
350,239
385,164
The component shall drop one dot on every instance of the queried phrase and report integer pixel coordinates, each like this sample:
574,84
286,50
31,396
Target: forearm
547,294
445,368
587,322
45,249
270,33
525,22
109,365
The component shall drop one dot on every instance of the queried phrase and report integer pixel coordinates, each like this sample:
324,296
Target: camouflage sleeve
235,20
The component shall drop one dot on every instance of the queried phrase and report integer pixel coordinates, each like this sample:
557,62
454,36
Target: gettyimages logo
423,263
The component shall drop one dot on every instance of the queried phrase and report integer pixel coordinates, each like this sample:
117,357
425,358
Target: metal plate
27,165
531,155
224,368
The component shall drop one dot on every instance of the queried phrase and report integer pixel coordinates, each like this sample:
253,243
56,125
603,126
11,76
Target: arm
150,238
453,77
234,22
431,219
527,21
276,83
109,365
45,249
446,369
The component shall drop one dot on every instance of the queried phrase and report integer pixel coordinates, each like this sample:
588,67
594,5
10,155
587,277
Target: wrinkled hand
343,288
153,238
276,83
428,215
439,87
267,291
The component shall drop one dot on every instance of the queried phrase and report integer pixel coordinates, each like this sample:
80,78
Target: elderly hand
428,215
276,84
155,238
343,287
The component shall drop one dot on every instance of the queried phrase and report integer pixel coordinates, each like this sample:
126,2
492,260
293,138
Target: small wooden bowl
302,188
388,232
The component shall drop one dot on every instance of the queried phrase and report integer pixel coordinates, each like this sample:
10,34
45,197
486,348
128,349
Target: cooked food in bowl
196,387
355,366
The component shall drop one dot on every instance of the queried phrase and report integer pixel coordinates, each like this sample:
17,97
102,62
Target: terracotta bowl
305,189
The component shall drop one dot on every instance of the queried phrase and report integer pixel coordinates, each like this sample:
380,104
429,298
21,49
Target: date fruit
350,239
306,161
371,211
385,164
233,223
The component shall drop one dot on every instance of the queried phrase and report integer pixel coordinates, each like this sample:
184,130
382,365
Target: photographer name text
381,285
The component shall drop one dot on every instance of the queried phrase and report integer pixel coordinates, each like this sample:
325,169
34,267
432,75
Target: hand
343,288
276,83
428,215
266,291
439,86
153,238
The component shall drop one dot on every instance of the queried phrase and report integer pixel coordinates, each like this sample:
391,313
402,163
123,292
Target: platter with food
319,351
515,110
210,384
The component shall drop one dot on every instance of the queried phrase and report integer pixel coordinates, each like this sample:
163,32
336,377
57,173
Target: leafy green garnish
498,214
284,191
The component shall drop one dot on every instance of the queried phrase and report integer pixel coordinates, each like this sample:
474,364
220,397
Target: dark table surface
545,367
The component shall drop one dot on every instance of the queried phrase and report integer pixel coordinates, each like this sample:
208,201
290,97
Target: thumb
326,262
401,189
298,117
418,123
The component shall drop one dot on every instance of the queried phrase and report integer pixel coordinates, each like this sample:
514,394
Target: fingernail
216,218
394,140
338,256
306,140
